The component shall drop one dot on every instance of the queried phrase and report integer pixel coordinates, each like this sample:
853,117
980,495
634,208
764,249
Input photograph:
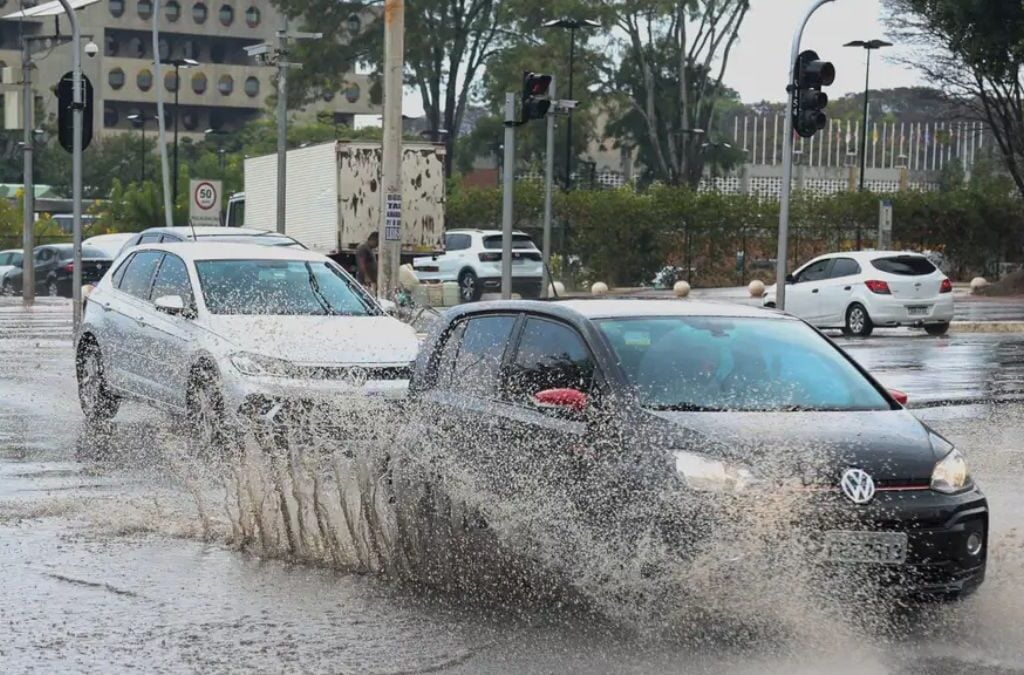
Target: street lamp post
573,25
868,46
139,119
178,64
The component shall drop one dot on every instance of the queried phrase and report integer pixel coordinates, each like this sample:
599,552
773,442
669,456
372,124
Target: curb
987,326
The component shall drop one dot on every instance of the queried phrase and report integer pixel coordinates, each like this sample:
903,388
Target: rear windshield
87,252
520,241
904,265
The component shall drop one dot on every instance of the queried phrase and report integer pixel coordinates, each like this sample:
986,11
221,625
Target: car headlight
711,475
950,474
258,365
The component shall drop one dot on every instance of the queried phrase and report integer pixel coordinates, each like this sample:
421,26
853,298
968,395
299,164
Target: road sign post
204,204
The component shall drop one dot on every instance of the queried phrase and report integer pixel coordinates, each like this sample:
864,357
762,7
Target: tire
99,404
469,286
937,328
6,288
205,412
52,288
858,323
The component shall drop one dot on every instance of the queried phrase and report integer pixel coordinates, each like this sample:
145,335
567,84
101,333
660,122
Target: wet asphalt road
105,567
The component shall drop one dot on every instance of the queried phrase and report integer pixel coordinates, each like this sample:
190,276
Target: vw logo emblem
857,485
356,376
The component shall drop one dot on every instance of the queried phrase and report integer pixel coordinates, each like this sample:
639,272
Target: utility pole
391,150
787,161
28,277
165,174
508,178
549,170
282,125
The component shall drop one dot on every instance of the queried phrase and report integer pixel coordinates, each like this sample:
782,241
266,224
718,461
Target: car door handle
847,288
814,290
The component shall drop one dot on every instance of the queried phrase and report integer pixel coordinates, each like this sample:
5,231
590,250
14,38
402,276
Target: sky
757,66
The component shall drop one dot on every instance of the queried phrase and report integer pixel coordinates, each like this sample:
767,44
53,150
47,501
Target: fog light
974,543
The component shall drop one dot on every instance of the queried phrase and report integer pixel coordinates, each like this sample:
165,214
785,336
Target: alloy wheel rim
91,380
468,287
857,320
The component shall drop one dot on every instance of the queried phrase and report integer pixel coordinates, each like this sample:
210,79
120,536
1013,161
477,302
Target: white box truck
334,197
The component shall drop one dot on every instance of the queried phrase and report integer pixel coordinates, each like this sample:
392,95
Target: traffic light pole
28,277
508,179
549,170
787,162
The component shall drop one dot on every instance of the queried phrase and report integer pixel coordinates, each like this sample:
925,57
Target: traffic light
65,112
536,99
809,101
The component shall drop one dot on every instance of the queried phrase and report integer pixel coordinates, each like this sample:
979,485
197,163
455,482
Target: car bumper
888,311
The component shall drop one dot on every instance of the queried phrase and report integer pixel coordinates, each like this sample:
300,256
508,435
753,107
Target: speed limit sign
204,202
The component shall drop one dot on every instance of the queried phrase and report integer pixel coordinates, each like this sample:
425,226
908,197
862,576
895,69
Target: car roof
871,255
11,250
486,233
111,236
232,251
612,308
208,231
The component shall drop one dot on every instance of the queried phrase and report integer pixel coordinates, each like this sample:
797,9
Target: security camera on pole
807,75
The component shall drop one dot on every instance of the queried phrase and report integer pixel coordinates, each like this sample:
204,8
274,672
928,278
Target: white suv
473,259
857,291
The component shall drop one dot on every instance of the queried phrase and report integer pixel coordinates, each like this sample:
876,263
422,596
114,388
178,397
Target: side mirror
170,304
389,307
561,399
900,396
790,279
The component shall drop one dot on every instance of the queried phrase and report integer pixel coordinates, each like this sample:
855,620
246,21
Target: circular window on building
136,48
116,8
217,53
199,12
110,46
226,15
171,81
110,116
226,84
354,24
172,10
252,17
145,9
352,93
115,78
144,80
199,83
190,120
252,86
165,49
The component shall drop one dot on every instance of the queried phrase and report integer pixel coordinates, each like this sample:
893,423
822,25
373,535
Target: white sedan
858,291
216,330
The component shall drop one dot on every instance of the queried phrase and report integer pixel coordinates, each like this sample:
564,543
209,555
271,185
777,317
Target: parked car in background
473,259
219,330
111,243
670,421
53,268
858,291
9,260
208,234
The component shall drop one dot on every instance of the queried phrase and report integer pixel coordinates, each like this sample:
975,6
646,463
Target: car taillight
69,268
946,287
879,287
490,257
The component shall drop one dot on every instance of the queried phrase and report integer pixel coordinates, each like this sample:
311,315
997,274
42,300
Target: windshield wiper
685,407
315,287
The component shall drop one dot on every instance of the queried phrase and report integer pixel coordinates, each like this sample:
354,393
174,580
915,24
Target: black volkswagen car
719,401
54,266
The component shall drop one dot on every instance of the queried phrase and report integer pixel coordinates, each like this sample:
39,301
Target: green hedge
623,237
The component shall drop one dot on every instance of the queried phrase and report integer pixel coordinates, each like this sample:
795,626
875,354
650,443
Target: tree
974,50
675,55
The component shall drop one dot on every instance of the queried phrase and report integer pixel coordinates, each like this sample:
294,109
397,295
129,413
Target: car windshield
269,239
280,287
736,364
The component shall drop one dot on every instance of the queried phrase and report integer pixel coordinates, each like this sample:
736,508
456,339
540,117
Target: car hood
891,445
321,339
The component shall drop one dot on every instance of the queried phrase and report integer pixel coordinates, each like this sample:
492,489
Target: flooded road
107,566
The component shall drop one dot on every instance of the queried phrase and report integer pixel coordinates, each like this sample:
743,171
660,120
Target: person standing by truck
366,261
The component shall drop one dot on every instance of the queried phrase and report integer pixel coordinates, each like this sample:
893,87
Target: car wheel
469,286
205,411
6,288
98,403
52,289
858,323
937,328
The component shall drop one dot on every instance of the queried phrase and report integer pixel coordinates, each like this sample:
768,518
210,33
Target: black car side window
844,267
139,275
478,362
815,272
172,279
443,366
550,356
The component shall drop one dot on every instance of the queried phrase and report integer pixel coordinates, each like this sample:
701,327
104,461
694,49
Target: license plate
886,548
917,310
